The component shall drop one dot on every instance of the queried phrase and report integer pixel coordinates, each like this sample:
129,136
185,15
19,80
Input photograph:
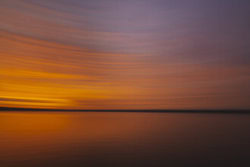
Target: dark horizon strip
212,111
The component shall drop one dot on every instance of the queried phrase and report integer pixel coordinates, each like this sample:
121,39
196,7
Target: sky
125,54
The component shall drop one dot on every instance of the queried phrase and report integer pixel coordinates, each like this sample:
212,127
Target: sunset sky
125,54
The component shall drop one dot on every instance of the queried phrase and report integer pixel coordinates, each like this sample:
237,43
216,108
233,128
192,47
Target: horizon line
233,111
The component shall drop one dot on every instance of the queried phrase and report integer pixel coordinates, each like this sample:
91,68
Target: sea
123,139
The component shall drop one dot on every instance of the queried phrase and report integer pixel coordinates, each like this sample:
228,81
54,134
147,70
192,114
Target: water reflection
120,139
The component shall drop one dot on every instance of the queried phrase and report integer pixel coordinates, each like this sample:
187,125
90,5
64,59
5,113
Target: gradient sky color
125,54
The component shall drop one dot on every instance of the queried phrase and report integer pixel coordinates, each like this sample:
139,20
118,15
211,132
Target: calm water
58,139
